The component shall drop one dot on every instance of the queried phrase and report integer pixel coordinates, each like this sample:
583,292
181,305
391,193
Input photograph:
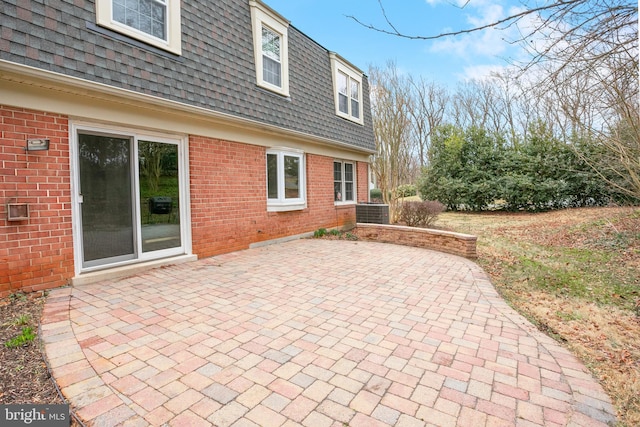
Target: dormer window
155,22
271,57
347,88
270,43
148,16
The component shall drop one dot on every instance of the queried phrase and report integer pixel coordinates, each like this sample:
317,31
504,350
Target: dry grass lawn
576,275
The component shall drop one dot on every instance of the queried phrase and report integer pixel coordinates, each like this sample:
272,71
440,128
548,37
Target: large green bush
474,169
463,168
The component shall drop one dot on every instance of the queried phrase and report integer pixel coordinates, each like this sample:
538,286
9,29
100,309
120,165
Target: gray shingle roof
215,71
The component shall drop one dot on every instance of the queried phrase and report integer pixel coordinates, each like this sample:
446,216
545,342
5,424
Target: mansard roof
215,71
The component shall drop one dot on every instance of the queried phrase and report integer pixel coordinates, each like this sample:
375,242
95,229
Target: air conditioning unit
372,213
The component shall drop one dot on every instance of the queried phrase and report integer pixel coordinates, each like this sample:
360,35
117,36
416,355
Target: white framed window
156,22
271,57
344,184
347,89
271,48
286,180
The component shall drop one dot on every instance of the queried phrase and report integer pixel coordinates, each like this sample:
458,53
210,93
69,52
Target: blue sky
446,61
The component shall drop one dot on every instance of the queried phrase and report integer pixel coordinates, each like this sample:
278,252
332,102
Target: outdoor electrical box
17,211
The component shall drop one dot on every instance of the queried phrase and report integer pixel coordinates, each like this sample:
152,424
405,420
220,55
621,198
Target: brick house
141,133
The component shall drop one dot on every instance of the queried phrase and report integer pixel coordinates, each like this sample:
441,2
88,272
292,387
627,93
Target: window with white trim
285,180
343,182
156,22
271,57
347,87
270,44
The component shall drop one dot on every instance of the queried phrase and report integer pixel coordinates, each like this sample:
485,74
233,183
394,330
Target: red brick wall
363,182
228,198
37,253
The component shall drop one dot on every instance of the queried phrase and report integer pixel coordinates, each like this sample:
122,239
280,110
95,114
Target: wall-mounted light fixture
37,144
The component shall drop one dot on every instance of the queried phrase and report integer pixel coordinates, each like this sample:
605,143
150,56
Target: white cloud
488,14
458,3
539,35
480,72
491,42
490,71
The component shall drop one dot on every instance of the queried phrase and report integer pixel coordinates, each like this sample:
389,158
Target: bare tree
605,111
390,105
508,105
492,104
589,29
464,103
473,104
587,54
428,106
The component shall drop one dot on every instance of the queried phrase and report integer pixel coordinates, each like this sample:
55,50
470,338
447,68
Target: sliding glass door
130,198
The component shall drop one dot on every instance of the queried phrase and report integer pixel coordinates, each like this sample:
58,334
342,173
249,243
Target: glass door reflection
159,195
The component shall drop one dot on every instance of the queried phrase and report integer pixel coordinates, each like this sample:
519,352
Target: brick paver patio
314,333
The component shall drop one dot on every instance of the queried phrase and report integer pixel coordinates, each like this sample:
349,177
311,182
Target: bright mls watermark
34,415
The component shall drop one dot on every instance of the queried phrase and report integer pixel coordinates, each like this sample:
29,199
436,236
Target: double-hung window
347,84
285,180
348,96
270,43
155,22
343,182
271,57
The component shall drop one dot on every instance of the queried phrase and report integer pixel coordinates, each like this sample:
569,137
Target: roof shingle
215,71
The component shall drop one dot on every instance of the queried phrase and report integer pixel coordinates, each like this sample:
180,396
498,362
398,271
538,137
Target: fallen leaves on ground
600,246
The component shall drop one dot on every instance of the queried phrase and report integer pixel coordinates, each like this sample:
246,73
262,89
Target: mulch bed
24,377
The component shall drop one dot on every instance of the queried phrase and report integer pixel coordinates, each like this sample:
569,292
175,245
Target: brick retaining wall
443,241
